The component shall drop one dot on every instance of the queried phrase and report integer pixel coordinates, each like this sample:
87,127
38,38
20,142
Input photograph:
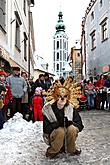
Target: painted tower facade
60,48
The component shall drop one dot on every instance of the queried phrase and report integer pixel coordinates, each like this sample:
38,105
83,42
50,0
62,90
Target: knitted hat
3,73
38,91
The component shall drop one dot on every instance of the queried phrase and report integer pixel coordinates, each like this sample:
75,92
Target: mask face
61,94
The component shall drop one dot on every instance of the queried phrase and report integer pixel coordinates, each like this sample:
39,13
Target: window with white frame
17,34
104,35
57,44
93,40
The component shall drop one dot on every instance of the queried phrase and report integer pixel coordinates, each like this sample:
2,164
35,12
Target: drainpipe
29,53
29,31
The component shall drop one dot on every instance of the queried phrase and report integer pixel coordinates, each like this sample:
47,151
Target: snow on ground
21,142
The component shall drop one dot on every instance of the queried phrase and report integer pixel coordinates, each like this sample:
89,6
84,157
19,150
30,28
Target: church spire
60,24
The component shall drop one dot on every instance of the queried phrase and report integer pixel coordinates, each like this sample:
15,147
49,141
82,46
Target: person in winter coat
19,87
90,93
25,100
62,122
2,94
37,103
8,94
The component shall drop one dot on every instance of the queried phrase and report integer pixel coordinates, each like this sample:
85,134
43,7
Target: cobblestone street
95,138
94,141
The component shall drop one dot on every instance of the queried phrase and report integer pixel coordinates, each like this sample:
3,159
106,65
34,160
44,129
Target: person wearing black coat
60,122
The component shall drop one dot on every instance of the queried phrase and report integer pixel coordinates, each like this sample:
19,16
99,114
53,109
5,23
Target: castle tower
60,48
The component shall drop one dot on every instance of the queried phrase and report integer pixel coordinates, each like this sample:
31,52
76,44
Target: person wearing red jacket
37,103
8,93
99,88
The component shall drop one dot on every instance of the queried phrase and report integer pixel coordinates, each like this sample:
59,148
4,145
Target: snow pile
19,141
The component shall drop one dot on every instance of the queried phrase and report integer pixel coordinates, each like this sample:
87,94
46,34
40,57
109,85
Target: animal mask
68,92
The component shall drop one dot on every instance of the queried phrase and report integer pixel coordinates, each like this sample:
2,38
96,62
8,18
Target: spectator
19,88
25,103
90,93
8,94
47,81
40,82
36,105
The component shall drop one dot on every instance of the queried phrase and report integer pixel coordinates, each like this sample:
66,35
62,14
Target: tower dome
60,24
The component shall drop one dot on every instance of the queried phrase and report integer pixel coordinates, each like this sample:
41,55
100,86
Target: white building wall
100,56
7,40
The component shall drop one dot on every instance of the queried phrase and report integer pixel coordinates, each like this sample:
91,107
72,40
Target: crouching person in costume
62,121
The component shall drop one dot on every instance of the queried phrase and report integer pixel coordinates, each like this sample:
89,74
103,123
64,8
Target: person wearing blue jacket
19,88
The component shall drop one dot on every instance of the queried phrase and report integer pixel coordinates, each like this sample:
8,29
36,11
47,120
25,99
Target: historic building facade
76,63
16,34
60,48
95,38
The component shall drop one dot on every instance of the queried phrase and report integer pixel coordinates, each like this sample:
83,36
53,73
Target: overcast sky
45,16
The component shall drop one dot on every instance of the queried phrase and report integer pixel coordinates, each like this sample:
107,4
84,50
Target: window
104,29
78,54
93,40
25,47
57,67
24,7
17,35
57,56
57,44
2,14
101,2
92,16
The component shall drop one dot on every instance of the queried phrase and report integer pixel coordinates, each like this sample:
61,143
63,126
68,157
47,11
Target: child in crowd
37,104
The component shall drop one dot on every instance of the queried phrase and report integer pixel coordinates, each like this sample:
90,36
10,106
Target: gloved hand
63,122
68,122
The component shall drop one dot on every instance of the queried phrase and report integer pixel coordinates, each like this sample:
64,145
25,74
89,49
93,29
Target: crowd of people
96,92
23,95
